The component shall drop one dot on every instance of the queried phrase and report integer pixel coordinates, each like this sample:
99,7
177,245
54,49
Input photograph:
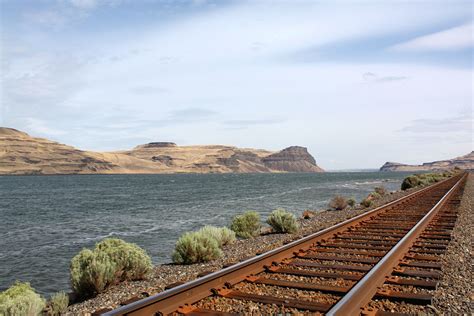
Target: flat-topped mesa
292,159
158,145
465,162
391,166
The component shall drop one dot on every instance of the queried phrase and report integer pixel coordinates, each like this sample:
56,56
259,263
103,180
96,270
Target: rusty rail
366,288
181,297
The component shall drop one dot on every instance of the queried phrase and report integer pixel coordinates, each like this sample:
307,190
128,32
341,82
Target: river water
46,220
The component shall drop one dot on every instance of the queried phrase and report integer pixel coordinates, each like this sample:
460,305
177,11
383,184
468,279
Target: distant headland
465,162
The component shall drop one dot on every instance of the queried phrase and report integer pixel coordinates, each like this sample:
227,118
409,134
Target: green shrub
374,196
58,304
429,178
338,203
111,261
380,190
416,180
91,272
351,202
246,225
21,299
367,202
193,247
410,182
222,235
132,261
282,221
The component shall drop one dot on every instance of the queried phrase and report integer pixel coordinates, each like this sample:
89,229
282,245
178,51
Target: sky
358,83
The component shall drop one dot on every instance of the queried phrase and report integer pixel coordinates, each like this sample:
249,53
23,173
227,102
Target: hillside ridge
22,154
465,162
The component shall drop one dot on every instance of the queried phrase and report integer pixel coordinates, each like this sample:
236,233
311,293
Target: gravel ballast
166,274
455,293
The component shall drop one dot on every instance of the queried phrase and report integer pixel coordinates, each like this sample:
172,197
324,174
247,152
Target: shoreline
193,173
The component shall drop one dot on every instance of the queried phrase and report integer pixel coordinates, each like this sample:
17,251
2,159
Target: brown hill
22,154
465,162
294,159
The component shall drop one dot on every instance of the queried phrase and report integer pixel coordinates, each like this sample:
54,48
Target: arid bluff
21,154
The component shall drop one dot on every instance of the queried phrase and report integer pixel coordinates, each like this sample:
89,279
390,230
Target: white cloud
370,77
451,39
198,74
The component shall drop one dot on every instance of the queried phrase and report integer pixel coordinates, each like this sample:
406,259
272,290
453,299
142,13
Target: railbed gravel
166,274
454,294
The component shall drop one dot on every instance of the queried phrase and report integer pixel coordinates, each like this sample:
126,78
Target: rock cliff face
292,159
23,154
226,159
465,162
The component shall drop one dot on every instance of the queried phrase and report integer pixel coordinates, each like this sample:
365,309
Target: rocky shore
167,274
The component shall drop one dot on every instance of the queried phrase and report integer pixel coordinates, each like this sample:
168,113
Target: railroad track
390,253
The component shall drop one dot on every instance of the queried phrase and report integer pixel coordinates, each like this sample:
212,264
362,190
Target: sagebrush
222,235
110,262
366,202
422,179
58,304
193,247
410,182
246,225
21,299
283,222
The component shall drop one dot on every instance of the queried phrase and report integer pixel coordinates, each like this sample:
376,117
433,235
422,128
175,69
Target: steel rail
364,290
170,300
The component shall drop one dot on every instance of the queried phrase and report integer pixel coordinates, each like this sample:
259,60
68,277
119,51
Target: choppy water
46,220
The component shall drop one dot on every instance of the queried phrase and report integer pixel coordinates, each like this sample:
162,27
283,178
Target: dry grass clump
111,261
283,222
307,214
246,225
21,299
338,203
